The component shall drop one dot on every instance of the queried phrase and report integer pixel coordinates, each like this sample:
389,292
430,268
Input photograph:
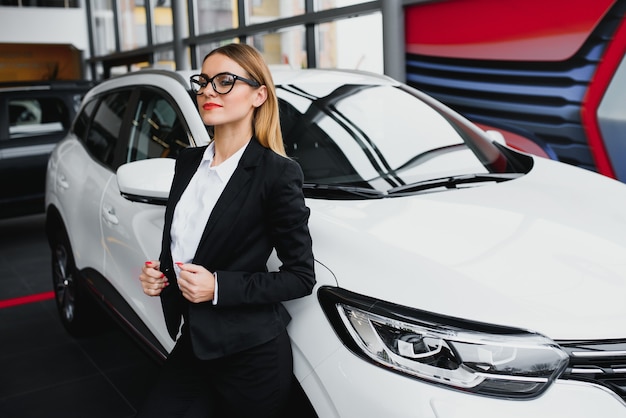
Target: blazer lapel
186,167
239,183
186,172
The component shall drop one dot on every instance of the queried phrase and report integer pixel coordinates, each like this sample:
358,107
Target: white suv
456,276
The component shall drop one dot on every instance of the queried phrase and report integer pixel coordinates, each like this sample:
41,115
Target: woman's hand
196,283
152,280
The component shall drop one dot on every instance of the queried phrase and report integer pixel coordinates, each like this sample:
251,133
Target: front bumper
344,386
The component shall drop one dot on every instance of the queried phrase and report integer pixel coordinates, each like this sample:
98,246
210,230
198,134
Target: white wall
45,25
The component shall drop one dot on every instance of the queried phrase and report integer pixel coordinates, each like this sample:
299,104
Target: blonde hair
266,121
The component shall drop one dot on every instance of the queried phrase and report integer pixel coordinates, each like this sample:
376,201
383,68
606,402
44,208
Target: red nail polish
162,275
178,263
148,263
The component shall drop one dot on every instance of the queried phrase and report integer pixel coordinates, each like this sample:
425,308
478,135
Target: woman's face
235,107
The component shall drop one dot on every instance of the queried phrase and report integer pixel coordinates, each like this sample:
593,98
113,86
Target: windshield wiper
451,182
337,191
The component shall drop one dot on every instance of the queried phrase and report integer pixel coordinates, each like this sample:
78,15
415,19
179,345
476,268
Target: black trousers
254,383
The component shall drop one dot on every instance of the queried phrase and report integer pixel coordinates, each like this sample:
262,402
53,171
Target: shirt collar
226,169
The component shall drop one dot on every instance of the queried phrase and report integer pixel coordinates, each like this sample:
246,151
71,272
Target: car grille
538,100
602,363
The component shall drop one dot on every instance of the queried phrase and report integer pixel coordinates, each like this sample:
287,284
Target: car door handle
62,182
108,214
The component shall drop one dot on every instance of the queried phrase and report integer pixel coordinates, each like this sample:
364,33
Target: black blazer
261,208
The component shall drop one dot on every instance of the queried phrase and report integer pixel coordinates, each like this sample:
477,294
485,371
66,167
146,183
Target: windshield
379,138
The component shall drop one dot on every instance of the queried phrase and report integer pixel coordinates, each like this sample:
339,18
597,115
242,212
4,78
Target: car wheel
71,300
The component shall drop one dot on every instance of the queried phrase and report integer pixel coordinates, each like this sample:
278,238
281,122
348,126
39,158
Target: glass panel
362,135
157,130
133,30
285,47
165,60
105,128
355,43
215,15
34,117
333,4
83,120
163,26
103,27
259,11
204,49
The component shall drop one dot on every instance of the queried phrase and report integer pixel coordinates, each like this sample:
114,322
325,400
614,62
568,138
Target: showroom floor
44,372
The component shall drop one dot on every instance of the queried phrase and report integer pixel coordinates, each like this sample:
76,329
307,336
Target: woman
231,203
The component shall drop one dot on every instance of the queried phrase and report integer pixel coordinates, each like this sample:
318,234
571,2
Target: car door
132,231
84,169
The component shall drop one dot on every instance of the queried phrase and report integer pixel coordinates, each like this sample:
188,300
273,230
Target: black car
33,118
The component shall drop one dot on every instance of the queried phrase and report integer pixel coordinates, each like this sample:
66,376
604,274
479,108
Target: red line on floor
38,297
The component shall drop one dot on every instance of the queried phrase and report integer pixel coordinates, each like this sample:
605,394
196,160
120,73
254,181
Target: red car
550,75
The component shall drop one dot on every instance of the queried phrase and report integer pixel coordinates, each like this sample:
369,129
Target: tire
74,305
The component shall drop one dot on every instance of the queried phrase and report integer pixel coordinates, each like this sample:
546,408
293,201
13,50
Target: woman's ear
261,96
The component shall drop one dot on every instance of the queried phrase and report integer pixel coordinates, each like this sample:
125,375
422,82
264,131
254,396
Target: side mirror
146,181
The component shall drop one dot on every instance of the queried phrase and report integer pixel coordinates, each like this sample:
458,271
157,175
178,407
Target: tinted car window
156,129
37,116
104,130
374,137
82,120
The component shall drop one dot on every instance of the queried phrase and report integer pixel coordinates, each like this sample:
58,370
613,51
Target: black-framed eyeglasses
222,83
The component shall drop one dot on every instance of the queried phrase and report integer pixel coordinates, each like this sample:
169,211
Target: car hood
545,252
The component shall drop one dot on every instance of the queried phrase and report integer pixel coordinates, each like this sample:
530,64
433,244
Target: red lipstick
210,106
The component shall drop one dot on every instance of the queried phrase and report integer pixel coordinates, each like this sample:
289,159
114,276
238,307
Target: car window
372,136
37,116
156,129
104,130
82,120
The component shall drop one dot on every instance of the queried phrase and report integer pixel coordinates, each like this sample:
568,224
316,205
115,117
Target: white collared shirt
196,204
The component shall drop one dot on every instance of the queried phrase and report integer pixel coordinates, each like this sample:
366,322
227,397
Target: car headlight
473,357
